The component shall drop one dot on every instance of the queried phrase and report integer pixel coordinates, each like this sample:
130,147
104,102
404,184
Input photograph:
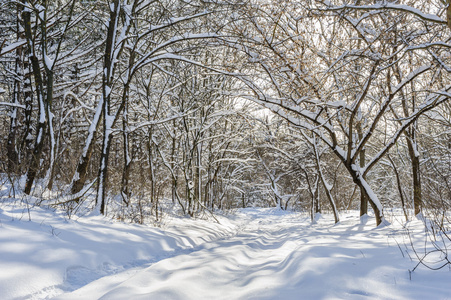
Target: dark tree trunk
401,193
11,147
82,168
363,185
416,178
125,190
27,139
107,82
41,130
363,196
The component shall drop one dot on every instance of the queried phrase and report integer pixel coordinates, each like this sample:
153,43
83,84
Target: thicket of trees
312,105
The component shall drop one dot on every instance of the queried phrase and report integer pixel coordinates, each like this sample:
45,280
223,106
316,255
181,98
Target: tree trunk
327,187
125,190
51,133
41,130
11,147
108,120
448,14
153,198
416,178
363,197
27,138
401,193
198,188
316,196
103,169
36,156
81,174
366,189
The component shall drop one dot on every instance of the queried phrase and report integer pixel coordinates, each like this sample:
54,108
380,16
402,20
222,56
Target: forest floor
252,253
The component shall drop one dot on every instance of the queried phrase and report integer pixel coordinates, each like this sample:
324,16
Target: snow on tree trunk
11,146
103,170
326,185
372,197
108,120
416,175
41,128
80,176
448,14
125,190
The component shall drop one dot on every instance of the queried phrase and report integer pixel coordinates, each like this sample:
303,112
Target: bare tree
308,80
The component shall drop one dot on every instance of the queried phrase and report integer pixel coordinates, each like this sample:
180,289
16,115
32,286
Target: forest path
275,256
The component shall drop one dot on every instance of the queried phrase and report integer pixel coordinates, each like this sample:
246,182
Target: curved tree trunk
371,196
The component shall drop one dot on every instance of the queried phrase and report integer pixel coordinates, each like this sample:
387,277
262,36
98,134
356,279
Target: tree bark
448,14
41,130
326,186
416,175
107,81
363,196
401,193
11,147
367,191
81,174
125,190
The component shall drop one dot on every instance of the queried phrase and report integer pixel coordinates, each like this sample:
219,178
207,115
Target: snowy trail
252,254
277,256
43,254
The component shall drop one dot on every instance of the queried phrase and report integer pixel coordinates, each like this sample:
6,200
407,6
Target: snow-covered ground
251,254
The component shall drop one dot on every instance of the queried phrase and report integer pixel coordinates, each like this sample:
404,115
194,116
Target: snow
255,253
93,126
76,176
428,45
338,104
371,195
48,62
41,9
12,47
109,121
409,78
391,6
38,139
11,104
107,91
41,110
